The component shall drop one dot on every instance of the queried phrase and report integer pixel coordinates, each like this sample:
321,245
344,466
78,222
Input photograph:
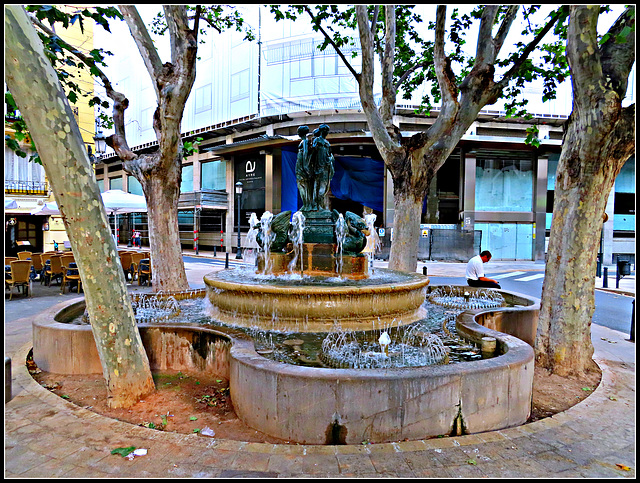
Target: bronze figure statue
314,168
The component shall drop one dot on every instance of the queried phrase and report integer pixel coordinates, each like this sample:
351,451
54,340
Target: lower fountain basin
330,406
240,297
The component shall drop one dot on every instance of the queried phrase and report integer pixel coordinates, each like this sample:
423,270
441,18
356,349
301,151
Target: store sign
250,172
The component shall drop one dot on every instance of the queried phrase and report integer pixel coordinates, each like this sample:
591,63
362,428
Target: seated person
475,272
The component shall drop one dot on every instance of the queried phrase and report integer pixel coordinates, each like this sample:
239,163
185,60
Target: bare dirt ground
189,404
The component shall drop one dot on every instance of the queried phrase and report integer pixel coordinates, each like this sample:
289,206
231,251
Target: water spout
296,235
341,235
267,239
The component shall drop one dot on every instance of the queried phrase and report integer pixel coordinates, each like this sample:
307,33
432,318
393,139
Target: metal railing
26,187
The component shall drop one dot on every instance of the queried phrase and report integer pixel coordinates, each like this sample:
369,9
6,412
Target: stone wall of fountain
329,406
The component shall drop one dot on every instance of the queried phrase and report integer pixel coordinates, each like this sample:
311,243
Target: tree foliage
413,54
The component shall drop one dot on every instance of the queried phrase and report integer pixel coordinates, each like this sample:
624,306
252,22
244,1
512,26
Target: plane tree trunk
43,103
599,139
160,173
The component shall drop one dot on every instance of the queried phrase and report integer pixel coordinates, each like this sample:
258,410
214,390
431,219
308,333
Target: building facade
249,99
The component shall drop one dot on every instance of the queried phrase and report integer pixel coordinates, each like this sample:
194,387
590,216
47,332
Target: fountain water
341,235
296,234
249,251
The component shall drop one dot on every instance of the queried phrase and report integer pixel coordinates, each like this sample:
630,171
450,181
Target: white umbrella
115,202
10,204
50,208
118,201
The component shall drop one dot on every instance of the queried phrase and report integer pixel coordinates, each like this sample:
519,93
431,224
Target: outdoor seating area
136,265
59,268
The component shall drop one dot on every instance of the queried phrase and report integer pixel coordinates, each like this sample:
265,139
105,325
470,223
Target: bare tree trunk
406,231
167,272
598,141
43,103
160,173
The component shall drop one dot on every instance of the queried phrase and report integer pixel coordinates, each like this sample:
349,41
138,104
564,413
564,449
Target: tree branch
381,136
525,53
410,71
333,44
196,20
485,50
374,20
387,106
444,74
618,58
583,53
505,26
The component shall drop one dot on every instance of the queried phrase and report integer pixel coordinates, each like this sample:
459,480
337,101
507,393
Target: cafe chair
135,262
54,270
144,271
19,277
70,273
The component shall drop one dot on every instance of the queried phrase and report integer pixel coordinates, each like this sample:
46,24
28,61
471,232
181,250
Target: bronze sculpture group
314,168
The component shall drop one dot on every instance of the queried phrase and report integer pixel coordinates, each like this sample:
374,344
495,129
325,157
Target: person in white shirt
475,272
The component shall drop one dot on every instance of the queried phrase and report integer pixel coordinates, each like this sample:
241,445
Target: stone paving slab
46,436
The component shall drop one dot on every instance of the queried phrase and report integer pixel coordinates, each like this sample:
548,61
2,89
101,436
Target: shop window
186,186
115,183
504,185
134,186
214,175
507,241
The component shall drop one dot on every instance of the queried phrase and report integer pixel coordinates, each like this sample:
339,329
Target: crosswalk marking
508,274
213,263
530,277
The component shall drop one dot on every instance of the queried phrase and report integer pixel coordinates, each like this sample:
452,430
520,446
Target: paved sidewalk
46,436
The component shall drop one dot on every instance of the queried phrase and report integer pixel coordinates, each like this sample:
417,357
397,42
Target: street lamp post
100,142
239,193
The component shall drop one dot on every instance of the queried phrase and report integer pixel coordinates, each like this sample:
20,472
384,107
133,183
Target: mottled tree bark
43,103
599,139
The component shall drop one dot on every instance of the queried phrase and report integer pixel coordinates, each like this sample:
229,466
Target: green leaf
196,430
587,389
123,451
472,462
193,418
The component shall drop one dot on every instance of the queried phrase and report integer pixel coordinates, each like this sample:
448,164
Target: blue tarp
356,178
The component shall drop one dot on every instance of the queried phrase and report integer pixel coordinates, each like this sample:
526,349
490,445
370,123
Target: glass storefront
507,241
504,184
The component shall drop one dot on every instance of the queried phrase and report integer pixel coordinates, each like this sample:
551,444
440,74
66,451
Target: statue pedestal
317,260
319,227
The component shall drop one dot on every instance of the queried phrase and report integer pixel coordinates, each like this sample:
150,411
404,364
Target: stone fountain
311,280
311,273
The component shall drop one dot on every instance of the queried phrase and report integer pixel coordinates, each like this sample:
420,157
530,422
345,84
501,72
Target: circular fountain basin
311,405
240,297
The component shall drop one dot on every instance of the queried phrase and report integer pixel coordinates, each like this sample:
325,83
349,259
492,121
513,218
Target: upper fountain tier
319,242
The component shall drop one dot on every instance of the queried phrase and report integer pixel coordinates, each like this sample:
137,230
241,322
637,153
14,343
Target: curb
26,383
